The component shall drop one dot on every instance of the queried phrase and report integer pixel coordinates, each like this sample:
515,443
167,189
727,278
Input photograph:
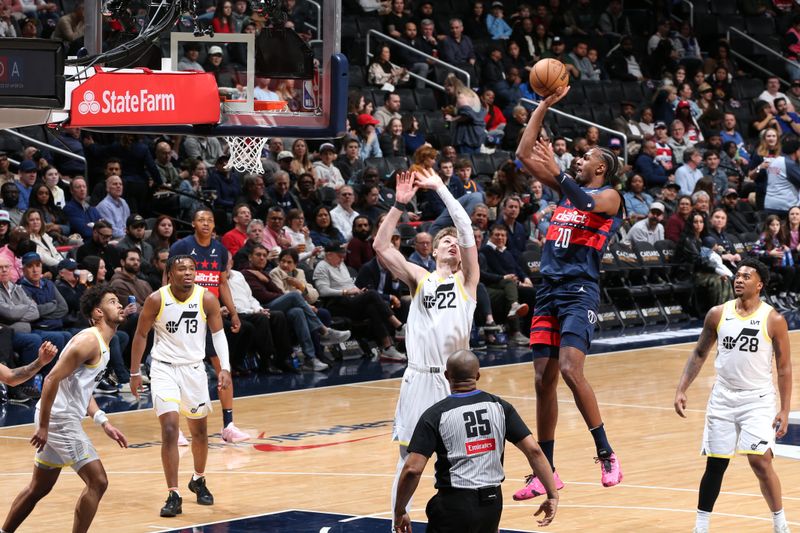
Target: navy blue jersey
576,240
211,261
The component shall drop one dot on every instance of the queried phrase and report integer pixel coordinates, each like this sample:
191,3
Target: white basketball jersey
744,348
180,328
439,321
75,391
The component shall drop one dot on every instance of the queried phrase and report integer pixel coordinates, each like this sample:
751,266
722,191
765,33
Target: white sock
778,519
702,520
196,476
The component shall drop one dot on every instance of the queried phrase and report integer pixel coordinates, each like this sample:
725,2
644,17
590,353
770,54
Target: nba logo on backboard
309,101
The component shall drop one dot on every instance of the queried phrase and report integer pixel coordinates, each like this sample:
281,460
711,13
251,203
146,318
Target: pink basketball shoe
611,474
533,487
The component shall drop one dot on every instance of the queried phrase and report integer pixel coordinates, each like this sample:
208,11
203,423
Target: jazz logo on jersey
443,298
189,319
747,341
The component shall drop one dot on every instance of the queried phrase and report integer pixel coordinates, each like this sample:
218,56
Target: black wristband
403,207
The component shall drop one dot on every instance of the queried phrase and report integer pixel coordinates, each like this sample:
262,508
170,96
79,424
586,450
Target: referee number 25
563,237
477,423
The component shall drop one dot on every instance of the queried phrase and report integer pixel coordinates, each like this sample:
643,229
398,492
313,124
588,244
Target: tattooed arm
708,337
15,376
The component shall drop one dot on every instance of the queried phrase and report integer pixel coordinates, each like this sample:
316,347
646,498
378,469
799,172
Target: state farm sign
145,98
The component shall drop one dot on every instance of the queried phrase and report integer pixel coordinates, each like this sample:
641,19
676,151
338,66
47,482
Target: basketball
547,75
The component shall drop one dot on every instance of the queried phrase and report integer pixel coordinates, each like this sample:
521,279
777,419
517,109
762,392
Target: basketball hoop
246,154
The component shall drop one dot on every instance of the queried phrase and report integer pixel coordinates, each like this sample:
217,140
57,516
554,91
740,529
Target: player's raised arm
531,135
407,272
15,376
82,349
214,317
779,332
708,337
147,318
428,179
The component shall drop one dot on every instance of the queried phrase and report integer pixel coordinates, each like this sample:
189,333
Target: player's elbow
413,471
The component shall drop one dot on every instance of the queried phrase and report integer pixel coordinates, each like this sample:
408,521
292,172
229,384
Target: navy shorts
565,315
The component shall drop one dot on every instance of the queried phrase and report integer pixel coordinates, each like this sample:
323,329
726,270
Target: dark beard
130,271
362,235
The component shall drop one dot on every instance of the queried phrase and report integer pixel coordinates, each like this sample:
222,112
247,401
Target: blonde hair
464,95
442,233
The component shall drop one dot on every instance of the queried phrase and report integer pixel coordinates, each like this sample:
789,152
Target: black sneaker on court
173,507
198,486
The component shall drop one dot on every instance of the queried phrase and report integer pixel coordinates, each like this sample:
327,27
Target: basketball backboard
311,108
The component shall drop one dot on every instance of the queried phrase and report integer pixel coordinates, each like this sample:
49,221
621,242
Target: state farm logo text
112,102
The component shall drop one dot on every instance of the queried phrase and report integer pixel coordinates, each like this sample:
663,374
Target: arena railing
762,46
613,133
45,145
389,38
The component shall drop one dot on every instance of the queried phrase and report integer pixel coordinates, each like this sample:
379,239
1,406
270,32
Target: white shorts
418,391
67,445
739,421
180,388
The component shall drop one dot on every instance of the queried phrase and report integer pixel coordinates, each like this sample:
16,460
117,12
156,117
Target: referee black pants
465,511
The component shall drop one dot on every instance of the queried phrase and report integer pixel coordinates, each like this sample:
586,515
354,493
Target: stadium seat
614,92
723,7
425,99
500,157
530,262
594,93
749,241
603,114
356,76
407,100
575,95
615,293
397,163
747,88
760,26
636,284
380,163
483,165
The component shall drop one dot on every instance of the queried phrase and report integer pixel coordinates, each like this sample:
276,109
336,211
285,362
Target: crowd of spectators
299,235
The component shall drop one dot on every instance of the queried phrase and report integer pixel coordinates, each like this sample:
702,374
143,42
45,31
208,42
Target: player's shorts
418,391
739,421
67,445
565,315
180,388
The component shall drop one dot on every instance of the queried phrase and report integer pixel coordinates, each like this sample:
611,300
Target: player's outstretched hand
405,187
136,384
47,351
427,178
224,380
402,524
548,507
542,160
781,423
680,403
554,98
115,435
39,438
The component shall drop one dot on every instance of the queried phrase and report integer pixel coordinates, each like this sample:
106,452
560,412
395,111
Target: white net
246,154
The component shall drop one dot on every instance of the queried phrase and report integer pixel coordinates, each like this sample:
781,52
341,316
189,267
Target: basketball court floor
321,459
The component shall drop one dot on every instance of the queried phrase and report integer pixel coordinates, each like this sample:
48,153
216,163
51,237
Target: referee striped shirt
468,433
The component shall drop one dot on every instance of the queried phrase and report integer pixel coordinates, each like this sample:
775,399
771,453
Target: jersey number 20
476,423
563,237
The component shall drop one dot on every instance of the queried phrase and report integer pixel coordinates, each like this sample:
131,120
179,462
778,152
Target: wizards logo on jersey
210,261
443,298
576,240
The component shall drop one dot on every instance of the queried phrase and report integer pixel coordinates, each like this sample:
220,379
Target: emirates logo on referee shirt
480,446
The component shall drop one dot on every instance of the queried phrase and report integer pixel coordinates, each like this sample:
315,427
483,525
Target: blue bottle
37,382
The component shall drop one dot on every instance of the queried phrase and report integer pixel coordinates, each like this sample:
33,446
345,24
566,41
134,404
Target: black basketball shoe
198,486
173,507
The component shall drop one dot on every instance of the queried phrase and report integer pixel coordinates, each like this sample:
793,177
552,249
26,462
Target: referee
468,430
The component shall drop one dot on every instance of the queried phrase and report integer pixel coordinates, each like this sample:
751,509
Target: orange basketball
547,75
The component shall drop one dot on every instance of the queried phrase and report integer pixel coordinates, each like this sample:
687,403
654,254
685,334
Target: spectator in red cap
370,147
